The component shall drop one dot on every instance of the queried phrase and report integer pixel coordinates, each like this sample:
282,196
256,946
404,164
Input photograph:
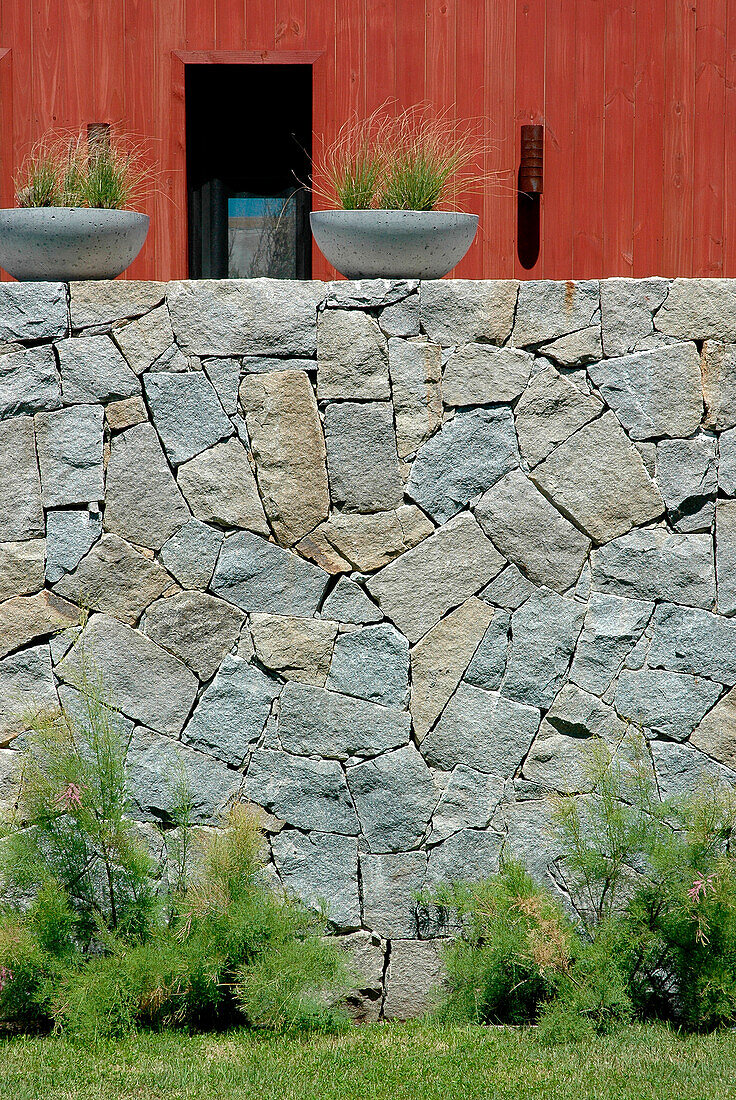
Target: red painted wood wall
638,98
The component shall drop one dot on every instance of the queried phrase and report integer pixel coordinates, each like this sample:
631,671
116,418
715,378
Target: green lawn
392,1062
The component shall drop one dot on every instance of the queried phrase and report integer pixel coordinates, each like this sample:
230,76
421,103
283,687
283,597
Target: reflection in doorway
248,154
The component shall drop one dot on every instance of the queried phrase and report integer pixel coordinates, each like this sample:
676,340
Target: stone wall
383,559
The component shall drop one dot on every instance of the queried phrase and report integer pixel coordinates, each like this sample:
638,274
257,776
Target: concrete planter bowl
393,244
58,244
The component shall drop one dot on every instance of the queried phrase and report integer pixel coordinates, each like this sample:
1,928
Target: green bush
96,939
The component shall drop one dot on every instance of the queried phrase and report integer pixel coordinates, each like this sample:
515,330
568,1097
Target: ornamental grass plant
72,169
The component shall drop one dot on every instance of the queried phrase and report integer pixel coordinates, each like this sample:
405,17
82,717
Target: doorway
249,134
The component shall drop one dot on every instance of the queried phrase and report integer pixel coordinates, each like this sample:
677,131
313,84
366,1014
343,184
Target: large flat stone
418,588
549,411
21,511
469,801
687,476
472,452
186,412
21,567
532,533
716,734
309,794
686,639
98,303
143,681
368,293
564,756
372,664
29,381
231,715
401,318
627,306
245,316
727,462
145,341
92,369
726,556
482,730
683,770
258,576
368,542
366,961
439,660
488,665
352,357
546,310
669,704
348,603
391,883
718,364
469,855
613,625
361,456
509,589
33,311
296,648
220,487
142,501
598,479
69,445
322,870
191,553
456,311
654,393
481,374
281,409
544,631
317,722
576,348
196,627
25,619
415,974
155,767
698,309
113,577
657,564
26,688
416,389
395,796
70,534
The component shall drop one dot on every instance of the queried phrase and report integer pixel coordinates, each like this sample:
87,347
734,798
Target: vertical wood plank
170,202
559,125
349,59
109,73
499,206
678,110
78,60
411,29
7,160
470,69
380,53
588,142
649,84
141,66
618,149
439,63
199,27
48,85
260,24
710,127
320,35
530,59
729,197
291,24
229,24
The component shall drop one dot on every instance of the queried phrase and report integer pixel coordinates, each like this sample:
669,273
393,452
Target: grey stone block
70,534
395,796
686,639
657,564
317,722
321,870
92,369
258,576
669,704
456,311
352,357
373,664
33,311
191,553
544,631
69,444
115,578
142,501
308,794
391,883
186,412
29,381
546,310
220,487
361,456
613,625
231,715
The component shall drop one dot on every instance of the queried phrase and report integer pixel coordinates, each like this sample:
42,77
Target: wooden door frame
179,60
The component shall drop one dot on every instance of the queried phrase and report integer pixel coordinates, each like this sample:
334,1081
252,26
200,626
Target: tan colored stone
352,356
21,567
371,541
25,618
289,449
114,577
439,660
298,649
125,414
316,548
416,386
716,734
220,487
96,303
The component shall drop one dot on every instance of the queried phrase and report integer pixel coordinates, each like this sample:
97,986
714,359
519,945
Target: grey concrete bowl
59,243
393,244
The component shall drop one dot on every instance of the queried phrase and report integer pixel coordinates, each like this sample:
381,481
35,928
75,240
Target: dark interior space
249,132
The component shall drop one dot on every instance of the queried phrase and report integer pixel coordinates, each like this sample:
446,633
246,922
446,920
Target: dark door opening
249,134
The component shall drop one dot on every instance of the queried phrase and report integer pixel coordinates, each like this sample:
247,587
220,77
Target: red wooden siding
637,97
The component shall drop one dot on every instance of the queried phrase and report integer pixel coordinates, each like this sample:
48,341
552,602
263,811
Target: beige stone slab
369,542
296,648
21,567
26,618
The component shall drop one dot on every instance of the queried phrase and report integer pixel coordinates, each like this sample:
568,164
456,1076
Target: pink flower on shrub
703,884
72,796
5,977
